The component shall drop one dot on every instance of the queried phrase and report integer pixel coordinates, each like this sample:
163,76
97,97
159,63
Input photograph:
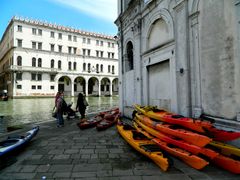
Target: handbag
54,112
85,102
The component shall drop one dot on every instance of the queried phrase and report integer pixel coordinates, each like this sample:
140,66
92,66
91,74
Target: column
72,90
110,89
99,88
86,89
14,84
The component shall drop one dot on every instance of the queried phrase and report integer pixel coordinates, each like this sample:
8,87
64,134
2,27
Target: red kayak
106,123
88,123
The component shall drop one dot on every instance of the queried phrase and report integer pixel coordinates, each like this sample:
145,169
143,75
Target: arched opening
59,64
93,85
79,85
64,84
19,60
52,63
105,87
115,86
129,56
34,62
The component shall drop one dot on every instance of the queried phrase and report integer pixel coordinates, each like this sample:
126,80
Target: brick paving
71,153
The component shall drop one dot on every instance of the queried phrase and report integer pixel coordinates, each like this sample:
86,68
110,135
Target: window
18,76
40,46
97,68
129,64
101,43
69,65
59,64
97,42
101,68
34,31
84,66
39,77
109,68
34,45
59,48
52,47
52,34
33,87
101,53
74,50
39,62
84,52
89,52
109,44
59,35
89,67
19,60
69,50
39,87
19,28
52,63
33,77
113,70
74,65
51,87
19,42
39,32
89,41
52,77
112,45
19,86
70,37
75,38
109,54
84,40
113,55
97,53
33,62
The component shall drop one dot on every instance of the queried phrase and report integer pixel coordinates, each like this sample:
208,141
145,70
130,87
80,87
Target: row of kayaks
101,121
184,138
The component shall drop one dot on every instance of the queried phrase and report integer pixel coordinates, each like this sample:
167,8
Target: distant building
38,59
181,55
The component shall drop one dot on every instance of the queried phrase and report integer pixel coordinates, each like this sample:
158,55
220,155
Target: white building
181,55
38,59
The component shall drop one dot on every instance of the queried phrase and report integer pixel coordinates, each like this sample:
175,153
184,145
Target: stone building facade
39,58
181,55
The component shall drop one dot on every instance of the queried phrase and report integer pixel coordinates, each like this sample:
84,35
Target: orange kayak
177,142
192,160
188,136
227,163
162,115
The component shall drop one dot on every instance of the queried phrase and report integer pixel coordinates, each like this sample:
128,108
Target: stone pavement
71,153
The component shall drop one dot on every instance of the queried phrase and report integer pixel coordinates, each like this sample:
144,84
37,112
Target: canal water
34,110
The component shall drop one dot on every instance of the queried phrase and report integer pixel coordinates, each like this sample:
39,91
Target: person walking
81,105
60,110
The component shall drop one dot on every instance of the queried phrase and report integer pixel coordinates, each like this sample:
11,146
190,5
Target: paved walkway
71,153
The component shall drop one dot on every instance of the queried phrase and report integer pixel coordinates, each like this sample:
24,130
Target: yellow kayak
142,144
225,149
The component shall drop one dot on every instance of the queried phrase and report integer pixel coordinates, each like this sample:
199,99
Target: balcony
32,69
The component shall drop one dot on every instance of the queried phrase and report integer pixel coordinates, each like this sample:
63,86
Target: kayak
176,131
143,145
106,123
14,143
178,142
192,160
227,163
225,149
88,123
162,115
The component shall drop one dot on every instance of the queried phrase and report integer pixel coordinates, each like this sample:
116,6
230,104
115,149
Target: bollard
3,124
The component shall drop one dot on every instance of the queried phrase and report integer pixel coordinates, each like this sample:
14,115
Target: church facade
181,55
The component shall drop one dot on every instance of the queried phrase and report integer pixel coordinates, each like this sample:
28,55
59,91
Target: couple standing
61,107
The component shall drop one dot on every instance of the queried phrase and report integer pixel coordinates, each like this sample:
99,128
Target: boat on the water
14,143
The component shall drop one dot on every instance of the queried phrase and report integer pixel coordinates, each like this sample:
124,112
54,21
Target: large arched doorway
64,84
105,86
79,85
93,85
115,86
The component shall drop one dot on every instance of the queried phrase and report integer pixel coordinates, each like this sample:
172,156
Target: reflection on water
21,111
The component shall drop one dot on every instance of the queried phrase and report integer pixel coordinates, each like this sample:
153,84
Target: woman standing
81,105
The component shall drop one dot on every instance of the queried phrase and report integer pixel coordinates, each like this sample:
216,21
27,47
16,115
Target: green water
34,110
